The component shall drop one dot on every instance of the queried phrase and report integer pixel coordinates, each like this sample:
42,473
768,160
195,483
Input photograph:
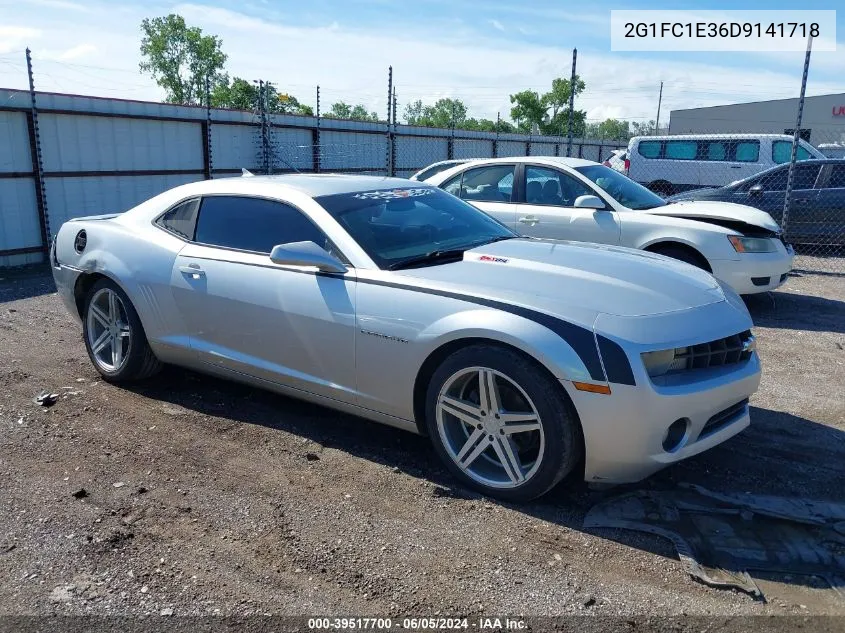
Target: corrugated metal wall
107,155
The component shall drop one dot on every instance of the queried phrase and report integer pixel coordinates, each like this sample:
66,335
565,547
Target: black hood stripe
580,339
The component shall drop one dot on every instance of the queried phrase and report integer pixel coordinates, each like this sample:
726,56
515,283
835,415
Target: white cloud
77,51
59,4
429,62
15,38
497,25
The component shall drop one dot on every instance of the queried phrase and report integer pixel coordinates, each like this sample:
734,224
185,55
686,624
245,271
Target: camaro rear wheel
113,335
501,424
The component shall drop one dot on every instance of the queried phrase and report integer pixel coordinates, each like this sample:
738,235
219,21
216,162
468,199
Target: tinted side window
782,152
837,177
805,176
747,151
717,150
775,181
253,224
649,149
681,150
549,186
181,219
492,183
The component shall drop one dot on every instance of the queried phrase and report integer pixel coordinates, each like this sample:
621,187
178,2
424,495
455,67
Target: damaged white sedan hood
713,210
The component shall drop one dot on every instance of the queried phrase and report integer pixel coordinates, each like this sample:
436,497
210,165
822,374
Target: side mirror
756,190
306,254
589,202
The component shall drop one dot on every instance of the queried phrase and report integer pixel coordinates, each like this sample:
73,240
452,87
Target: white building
823,121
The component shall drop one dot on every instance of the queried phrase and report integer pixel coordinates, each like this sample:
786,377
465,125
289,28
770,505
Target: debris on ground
80,494
46,399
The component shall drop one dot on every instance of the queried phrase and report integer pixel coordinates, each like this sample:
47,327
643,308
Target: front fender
548,348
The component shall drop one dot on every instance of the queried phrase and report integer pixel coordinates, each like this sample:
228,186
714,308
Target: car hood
713,210
575,278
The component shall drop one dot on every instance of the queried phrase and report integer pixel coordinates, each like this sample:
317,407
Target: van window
649,149
782,152
747,151
717,150
681,150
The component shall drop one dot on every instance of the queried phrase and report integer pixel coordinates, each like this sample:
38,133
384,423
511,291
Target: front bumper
624,432
755,272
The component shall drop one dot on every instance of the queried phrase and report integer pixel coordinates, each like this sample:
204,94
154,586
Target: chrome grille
723,351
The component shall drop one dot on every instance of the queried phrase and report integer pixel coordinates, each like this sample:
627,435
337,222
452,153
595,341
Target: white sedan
573,199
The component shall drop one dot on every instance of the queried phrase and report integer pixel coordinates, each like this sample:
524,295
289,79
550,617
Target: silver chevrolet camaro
523,359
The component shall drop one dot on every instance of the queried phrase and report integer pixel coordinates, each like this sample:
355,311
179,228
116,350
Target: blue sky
477,51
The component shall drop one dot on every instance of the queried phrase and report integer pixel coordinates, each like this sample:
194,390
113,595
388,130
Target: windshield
394,225
621,188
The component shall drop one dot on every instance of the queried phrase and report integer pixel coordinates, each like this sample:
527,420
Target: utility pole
571,103
659,101
795,136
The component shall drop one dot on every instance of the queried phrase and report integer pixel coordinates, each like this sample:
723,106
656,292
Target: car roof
313,185
547,160
684,137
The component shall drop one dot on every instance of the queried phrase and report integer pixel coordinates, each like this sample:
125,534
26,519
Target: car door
546,208
768,194
288,325
830,216
490,188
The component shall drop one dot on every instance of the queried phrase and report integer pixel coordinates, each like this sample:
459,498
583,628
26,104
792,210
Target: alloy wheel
109,334
490,427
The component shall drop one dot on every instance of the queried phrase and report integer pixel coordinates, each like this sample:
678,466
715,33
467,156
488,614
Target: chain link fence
753,170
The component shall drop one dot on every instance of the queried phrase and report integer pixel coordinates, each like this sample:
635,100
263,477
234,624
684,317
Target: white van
671,164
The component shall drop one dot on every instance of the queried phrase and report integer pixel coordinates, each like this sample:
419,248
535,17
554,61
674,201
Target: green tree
643,129
240,94
612,129
342,110
444,113
550,111
180,58
527,110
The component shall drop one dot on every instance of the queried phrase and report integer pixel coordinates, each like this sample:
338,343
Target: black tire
683,254
564,444
140,362
662,188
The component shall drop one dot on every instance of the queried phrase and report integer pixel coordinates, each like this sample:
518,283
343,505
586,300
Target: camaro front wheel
113,335
501,424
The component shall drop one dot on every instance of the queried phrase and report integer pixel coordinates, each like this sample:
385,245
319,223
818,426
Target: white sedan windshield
621,188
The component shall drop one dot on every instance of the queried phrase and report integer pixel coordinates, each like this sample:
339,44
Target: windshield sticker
490,258
393,194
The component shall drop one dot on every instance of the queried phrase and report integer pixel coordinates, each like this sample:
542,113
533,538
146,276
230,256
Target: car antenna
245,173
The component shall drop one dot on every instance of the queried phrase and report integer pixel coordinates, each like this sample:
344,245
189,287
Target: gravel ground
189,495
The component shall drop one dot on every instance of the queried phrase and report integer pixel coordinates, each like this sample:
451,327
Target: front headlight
752,244
666,360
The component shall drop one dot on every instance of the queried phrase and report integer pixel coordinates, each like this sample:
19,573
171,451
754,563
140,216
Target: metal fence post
496,140
315,138
571,103
393,144
206,133
389,109
795,136
37,162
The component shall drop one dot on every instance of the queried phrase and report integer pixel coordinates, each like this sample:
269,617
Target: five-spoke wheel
108,332
501,423
114,337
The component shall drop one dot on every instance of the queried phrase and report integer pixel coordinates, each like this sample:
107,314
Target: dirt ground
189,495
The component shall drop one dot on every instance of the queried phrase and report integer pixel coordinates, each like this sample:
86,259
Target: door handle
529,219
736,166
193,270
